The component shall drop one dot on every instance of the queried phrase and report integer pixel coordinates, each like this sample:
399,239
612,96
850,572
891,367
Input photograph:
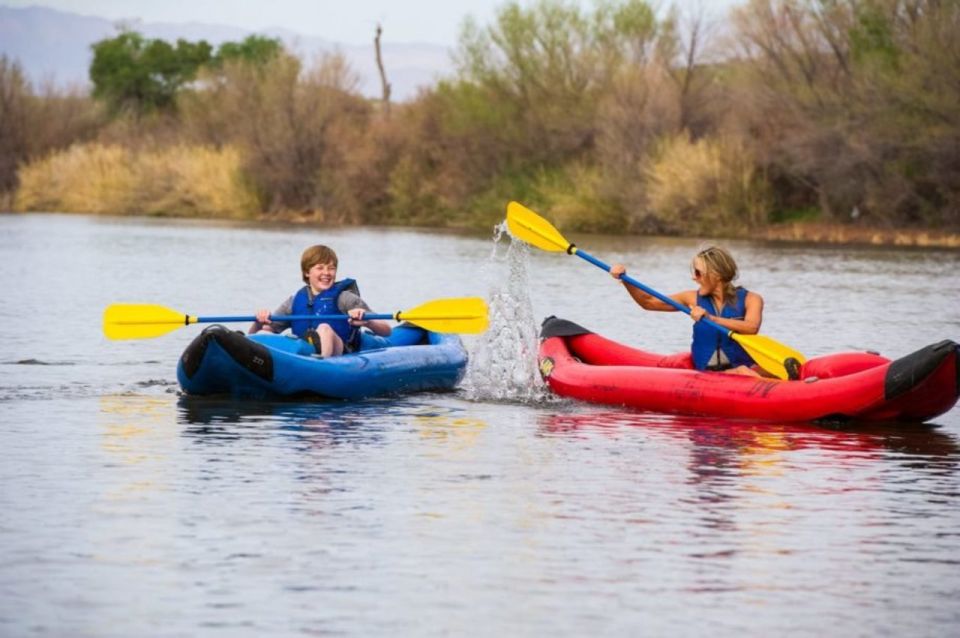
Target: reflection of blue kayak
221,361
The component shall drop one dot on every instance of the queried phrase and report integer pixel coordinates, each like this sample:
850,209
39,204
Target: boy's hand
356,317
261,323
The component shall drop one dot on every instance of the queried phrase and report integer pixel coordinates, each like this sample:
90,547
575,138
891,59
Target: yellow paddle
467,315
774,357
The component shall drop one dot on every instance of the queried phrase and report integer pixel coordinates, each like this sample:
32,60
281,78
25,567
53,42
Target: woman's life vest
305,303
713,349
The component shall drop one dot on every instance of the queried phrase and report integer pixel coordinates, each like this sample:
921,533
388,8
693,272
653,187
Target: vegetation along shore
797,120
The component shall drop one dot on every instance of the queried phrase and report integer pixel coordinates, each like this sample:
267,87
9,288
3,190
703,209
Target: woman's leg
745,371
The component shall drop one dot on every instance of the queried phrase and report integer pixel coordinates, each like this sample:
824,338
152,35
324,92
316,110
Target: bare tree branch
383,74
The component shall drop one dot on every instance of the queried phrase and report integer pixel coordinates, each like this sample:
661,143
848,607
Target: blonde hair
720,262
314,255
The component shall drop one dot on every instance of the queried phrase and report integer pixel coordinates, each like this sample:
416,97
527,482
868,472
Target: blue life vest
304,303
707,340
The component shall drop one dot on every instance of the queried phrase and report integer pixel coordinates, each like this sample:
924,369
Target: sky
346,21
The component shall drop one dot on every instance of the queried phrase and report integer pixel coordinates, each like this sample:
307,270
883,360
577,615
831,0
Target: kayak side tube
845,386
224,362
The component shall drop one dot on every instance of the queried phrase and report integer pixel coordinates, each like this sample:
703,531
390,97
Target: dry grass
710,185
183,181
838,234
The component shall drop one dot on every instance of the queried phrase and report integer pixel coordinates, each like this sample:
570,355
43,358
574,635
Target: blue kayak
225,362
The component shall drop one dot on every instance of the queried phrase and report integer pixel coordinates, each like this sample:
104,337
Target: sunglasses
697,274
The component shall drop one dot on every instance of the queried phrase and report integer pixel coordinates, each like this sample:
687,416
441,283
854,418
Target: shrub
35,121
179,180
293,127
858,102
574,195
709,186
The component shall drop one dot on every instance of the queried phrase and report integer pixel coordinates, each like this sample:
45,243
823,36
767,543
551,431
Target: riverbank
840,234
797,232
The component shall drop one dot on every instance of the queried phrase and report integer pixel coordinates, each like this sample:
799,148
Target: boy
323,295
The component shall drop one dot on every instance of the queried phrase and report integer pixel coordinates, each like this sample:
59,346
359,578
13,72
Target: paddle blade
466,315
770,355
141,321
526,225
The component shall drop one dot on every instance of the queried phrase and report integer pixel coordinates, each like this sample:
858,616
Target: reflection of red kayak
856,385
914,441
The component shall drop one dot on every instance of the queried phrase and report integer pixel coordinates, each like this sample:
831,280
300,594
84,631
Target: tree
35,121
130,72
254,49
383,73
14,107
856,103
289,124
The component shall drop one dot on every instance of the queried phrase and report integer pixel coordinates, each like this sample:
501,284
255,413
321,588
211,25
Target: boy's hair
314,255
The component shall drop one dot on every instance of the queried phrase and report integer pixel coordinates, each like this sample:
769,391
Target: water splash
503,363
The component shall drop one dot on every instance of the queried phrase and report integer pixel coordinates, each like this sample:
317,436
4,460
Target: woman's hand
697,313
617,271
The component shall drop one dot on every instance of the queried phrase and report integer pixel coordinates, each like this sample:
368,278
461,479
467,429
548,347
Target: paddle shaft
228,319
775,358
650,291
143,321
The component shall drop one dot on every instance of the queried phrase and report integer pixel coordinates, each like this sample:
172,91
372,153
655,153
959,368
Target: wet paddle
774,357
467,315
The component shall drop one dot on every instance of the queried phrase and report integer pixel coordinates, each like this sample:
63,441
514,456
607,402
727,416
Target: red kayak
861,386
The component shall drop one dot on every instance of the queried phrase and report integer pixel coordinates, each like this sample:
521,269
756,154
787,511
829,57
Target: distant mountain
54,46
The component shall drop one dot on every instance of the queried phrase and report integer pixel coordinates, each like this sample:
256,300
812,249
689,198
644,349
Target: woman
717,299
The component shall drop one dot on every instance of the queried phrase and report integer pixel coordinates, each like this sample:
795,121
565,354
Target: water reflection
135,434
732,461
713,439
450,433
362,466
310,425
326,423
744,494
433,512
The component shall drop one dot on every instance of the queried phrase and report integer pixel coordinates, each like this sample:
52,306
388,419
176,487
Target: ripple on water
430,514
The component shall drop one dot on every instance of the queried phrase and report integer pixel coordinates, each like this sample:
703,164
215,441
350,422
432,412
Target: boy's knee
324,330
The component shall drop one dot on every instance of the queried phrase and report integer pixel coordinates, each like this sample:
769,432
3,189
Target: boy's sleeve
348,300
286,308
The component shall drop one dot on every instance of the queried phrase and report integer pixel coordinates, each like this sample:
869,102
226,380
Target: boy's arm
286,308
349,300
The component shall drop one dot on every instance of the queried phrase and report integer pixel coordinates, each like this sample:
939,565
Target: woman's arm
648,301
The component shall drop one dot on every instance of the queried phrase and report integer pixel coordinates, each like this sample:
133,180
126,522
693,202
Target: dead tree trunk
385,86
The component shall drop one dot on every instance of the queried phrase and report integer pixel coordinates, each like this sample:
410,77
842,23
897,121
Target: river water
128,510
